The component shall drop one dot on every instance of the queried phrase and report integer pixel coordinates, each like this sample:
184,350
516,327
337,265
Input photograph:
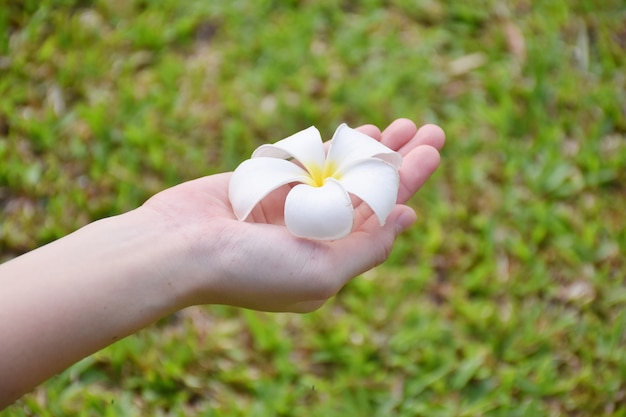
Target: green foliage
506,299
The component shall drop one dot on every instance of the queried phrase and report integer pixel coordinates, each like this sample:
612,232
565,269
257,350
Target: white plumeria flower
319,206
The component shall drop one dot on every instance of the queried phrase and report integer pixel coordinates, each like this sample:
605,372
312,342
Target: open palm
258,263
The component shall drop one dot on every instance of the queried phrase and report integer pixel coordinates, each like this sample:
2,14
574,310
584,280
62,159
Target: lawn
507,298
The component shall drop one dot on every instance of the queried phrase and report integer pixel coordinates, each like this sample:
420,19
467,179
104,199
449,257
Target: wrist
83,292
186,252
149,252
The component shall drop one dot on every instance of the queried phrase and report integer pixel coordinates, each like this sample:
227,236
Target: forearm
79,294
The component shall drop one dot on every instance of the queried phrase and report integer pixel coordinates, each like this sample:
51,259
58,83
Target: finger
417,167
370,245
431,135
362,212
305,306
370,130
398,134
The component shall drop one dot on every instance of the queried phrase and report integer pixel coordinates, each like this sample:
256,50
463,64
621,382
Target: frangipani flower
320,205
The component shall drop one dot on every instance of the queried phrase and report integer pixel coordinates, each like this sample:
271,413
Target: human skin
184,247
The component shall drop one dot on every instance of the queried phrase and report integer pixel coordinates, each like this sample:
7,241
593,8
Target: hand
258,264
184,246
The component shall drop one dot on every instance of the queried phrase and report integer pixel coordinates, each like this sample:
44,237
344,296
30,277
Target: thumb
403,217
364,249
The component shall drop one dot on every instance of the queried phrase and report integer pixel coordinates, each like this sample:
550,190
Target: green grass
506,299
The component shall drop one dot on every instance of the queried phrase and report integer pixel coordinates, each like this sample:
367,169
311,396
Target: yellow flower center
318,174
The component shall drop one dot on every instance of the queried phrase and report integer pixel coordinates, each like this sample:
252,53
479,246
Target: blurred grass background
506,299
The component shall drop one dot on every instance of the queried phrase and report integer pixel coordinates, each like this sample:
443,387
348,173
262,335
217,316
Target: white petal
349,145
375,182
305,146
255,178
323,213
